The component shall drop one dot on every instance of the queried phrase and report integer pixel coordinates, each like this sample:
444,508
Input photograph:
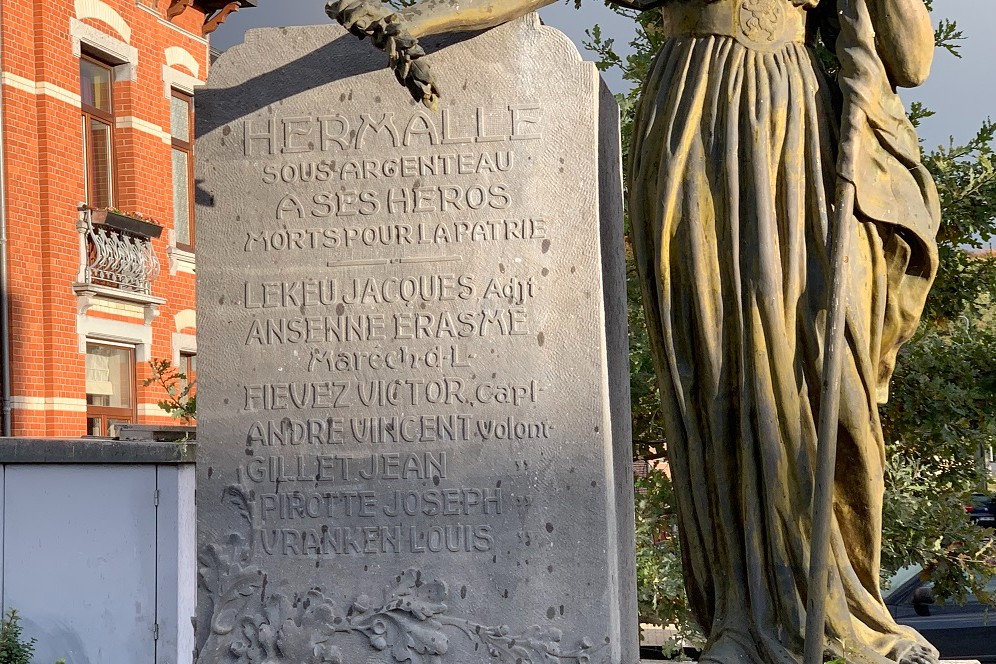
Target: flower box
127,224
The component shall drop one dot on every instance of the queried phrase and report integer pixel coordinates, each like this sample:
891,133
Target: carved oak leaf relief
405,623
250,624
299,631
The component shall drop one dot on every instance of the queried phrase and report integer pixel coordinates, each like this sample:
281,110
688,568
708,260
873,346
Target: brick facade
51,315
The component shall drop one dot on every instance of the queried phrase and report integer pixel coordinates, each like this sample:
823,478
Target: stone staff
867,79
819,565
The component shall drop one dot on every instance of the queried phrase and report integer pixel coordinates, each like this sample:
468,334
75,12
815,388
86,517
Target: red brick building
97,113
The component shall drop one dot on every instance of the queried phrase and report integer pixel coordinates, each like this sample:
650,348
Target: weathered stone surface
414,414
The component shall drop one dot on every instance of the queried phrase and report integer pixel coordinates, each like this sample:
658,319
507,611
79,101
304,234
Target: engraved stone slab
414,411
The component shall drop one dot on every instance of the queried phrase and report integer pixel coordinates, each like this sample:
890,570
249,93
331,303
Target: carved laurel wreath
247,623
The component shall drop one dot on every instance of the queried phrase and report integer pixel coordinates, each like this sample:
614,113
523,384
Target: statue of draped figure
732,175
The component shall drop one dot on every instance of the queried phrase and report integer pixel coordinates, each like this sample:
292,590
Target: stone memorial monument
414,414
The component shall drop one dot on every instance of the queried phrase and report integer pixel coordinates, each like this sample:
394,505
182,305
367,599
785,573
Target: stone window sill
181,260
87,294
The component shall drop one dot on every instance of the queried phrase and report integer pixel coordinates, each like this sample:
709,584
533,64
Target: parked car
959,631
982,510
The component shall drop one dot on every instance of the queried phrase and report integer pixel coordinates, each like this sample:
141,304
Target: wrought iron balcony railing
113,256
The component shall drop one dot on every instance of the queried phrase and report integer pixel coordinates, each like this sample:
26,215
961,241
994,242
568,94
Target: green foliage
938,424
966,182
947,35
942,403
12,649
921,527
648,424
181,397
660,586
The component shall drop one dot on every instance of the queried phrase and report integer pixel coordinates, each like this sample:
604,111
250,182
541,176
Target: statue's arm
905,39
434,16
397,33
431,17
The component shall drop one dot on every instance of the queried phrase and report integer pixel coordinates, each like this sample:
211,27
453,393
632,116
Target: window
110,388
181,113
188,367
98,131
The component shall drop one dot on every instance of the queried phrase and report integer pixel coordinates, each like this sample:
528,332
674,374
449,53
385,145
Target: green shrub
12,649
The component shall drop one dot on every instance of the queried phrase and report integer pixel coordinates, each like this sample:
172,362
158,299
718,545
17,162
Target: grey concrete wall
97,548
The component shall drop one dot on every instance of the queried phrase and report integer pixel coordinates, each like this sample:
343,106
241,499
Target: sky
962,91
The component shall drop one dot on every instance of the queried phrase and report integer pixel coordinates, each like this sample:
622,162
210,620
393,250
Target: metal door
79,556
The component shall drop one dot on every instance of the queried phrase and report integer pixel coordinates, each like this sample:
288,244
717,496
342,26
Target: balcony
117,260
